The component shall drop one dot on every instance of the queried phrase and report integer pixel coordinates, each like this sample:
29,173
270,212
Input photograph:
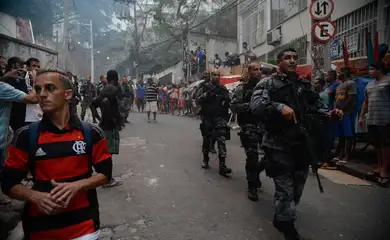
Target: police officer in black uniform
287,156
214,101
250,132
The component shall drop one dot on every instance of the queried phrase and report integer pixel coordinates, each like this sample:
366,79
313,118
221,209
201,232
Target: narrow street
166,195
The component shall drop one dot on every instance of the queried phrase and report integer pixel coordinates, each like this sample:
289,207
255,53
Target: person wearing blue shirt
140,98
9,94
330,90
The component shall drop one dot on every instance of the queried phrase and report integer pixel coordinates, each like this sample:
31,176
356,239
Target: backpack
33,135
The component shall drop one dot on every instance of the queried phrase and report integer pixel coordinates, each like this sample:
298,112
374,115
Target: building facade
268,26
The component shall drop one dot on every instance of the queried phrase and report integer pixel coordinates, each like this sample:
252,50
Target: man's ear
68,94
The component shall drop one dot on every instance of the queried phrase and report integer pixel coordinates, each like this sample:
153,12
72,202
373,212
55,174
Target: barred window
353,27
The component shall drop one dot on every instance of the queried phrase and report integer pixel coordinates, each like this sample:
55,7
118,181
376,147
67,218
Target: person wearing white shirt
33,111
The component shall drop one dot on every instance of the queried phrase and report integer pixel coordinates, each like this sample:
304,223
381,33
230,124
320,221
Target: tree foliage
45,13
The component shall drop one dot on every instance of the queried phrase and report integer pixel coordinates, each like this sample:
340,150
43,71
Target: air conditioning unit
274,36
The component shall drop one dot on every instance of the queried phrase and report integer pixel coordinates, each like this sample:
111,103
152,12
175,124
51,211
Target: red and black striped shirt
59,156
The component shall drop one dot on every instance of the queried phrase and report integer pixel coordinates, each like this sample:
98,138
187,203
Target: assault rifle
308,118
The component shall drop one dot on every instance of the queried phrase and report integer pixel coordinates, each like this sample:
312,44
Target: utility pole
186,50
90,47
92,55
66,33
57,48
136,39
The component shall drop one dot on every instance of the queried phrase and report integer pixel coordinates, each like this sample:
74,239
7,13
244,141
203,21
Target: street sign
321,9
323,31
334,49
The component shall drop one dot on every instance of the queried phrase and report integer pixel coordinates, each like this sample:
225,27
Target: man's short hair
321,81
31,60
380,66
281,53
250,65
112,76
65,81
333,73
14,60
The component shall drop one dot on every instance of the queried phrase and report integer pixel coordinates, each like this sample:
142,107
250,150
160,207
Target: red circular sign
323,30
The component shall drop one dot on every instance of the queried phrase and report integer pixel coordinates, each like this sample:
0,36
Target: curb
355,169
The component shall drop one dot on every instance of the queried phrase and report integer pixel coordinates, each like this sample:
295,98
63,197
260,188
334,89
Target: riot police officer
214,102
88,92
250,134
287,157
127,97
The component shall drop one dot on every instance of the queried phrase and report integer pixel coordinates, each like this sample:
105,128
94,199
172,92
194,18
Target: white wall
300,24
293,28
176,70
8,25
218,45
197,40
343,7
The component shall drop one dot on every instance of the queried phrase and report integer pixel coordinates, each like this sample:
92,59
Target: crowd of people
295,122
273,110
175,99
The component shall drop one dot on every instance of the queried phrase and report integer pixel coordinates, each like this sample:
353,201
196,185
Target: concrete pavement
167,196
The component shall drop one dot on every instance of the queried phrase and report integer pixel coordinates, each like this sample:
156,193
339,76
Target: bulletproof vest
248,117
216,105
297,95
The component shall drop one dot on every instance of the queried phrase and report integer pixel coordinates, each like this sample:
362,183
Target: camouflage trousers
124,107
289,171
251,139
215,128
85,104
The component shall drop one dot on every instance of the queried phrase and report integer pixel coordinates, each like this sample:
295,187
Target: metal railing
352,27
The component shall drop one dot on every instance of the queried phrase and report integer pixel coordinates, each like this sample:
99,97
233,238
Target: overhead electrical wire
218,13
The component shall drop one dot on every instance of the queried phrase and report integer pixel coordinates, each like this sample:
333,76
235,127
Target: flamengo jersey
61,155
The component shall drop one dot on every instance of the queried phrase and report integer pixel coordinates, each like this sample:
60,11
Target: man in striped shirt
60,152
151,99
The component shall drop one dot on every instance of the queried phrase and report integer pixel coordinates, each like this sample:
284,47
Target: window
299,44
254,28
353,27
282,10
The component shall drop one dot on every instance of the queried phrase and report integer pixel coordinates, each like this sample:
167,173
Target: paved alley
166,195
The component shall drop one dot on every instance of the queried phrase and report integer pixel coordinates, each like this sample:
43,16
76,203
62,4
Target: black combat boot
252,191
288,230
205,162
223,170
